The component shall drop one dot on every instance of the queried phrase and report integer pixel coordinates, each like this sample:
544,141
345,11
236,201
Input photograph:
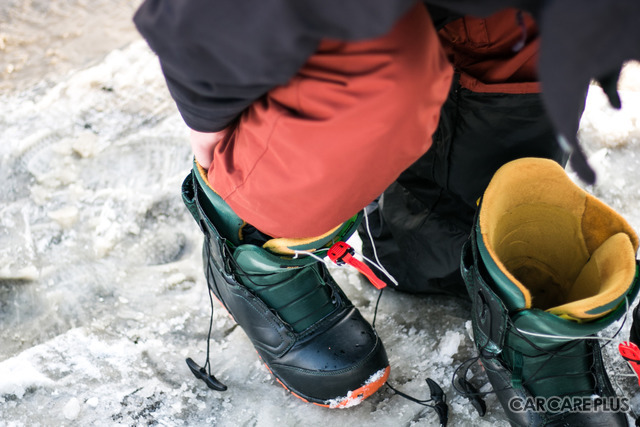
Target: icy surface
102,295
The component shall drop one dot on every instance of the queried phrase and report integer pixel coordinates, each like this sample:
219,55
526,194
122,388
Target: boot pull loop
631,353
342,253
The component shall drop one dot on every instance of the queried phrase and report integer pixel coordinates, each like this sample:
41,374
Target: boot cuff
551,245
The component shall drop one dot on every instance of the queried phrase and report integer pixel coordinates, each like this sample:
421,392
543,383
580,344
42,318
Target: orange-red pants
312,153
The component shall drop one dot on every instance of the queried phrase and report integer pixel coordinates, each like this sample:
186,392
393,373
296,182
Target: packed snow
102,295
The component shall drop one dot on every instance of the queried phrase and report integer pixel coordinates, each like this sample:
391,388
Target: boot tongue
602,283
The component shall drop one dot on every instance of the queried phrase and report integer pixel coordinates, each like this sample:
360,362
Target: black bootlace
438,399
204,372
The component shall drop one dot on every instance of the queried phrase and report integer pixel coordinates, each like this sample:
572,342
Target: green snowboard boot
303,327
547,267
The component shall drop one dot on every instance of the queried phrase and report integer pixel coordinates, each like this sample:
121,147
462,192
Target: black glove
583,40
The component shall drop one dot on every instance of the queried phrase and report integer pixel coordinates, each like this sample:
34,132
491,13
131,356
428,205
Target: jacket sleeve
220,56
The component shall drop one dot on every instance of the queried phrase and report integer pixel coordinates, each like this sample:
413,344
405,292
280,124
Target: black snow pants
421,221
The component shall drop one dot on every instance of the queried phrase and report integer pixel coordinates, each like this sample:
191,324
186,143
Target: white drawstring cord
376,264
309,253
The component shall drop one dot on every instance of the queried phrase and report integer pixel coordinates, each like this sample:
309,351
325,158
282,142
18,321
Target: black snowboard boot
305,330
547,267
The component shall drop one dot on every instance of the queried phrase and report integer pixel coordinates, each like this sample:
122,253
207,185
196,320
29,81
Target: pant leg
491,117
312,153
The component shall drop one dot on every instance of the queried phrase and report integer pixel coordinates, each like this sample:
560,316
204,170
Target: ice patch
66,216
17,376
72,409
449,346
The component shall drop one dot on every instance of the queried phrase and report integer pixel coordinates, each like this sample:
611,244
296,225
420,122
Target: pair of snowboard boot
547,267
303,327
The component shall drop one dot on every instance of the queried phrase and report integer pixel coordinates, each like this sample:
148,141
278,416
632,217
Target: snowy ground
101,291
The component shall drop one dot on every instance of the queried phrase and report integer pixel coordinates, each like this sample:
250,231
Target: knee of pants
312,153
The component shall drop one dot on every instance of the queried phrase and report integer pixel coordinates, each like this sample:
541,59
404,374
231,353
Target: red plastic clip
631,353
341,253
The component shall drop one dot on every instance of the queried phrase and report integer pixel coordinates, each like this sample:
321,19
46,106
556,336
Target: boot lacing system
466,389
438,398
231,265
377,264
